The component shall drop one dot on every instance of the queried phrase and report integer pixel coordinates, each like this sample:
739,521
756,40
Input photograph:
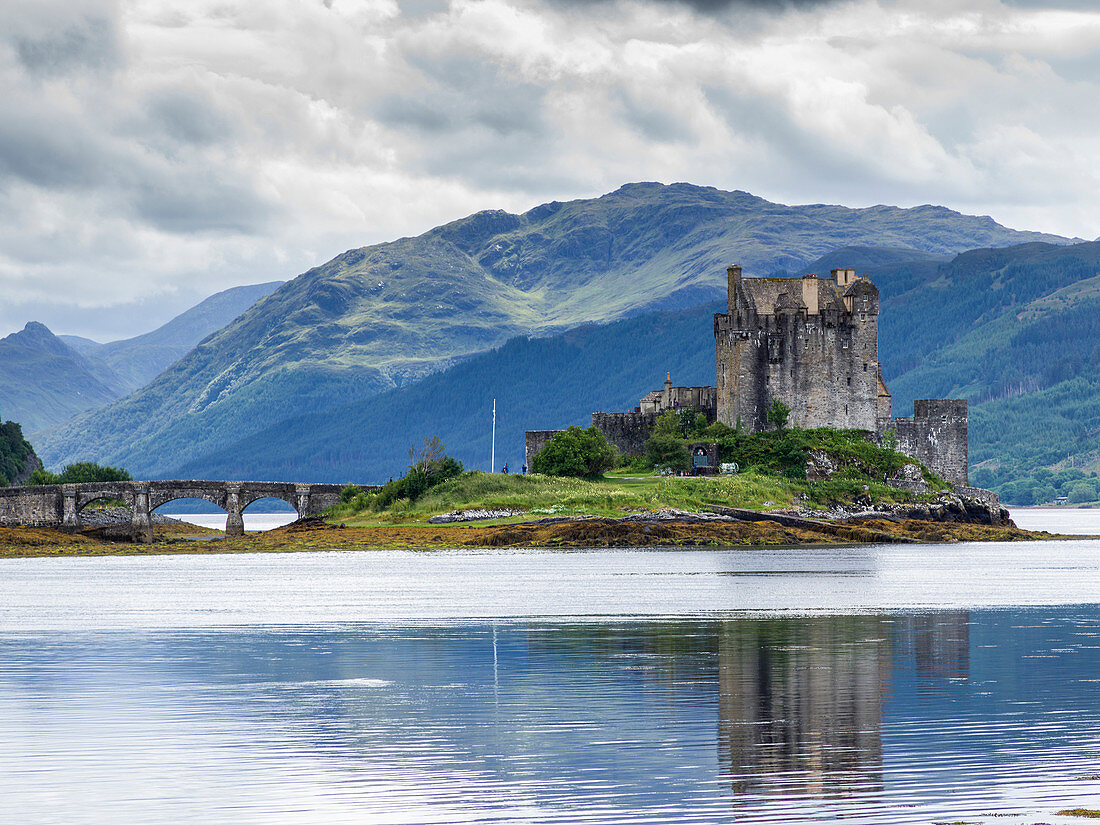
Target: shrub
665,450
576,452
431,466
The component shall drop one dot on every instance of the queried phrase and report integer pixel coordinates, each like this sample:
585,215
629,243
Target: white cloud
155,152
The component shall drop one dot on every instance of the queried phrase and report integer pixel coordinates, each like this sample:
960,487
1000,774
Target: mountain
384,316
46,379
538,383
1017,331
43,381
137,361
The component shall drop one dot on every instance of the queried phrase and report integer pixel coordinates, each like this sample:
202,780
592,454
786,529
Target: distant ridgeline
17,457
811,343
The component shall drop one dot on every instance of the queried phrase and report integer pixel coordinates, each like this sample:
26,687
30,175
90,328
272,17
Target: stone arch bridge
59,505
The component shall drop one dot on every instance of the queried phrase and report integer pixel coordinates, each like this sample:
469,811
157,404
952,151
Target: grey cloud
1066,5
175,191
462,91
472,121
797,158
184,203
90,42
187,117
420,8
42,148
651,121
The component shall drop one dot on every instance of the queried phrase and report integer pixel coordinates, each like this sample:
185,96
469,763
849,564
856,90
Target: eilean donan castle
812,343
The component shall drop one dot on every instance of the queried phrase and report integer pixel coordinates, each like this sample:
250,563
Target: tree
778,413
890,439
581,453
81,472
668,423
431,466
666,450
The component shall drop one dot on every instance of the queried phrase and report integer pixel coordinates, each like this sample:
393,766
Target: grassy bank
541,496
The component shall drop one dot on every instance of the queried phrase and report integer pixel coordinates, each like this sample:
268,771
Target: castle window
845,345
849,380
865,367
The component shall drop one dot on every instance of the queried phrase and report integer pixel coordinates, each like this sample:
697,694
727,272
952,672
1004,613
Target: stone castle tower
809,342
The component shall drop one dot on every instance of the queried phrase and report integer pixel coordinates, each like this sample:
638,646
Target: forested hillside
17,458
386,315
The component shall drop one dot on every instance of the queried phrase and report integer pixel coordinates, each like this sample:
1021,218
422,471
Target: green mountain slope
385,315
43,381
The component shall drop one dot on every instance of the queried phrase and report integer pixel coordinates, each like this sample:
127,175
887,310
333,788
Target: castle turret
807,341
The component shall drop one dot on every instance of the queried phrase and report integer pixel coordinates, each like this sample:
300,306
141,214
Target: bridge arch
87,499
250,497
160,497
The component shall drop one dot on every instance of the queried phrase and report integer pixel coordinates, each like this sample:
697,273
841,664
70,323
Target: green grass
544,496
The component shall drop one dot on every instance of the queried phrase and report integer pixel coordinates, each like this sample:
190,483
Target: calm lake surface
871,684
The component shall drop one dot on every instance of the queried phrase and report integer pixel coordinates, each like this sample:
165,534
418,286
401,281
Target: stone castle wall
626,432
535,440
936,435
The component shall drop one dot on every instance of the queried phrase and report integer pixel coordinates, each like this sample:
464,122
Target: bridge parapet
59,505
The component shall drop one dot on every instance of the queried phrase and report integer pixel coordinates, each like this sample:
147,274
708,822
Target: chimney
809,294
733,274
843,277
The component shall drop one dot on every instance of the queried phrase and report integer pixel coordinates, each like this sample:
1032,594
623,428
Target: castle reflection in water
800,702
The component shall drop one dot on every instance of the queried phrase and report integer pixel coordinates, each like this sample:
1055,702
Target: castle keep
811,343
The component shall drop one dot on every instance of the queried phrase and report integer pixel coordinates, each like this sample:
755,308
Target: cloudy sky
153,152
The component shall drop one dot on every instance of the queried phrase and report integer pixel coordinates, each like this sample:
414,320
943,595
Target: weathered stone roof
765,294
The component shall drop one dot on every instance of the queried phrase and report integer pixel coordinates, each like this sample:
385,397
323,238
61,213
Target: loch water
864,684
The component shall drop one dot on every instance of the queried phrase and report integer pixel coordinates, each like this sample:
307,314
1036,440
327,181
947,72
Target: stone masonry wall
936,435
535,440
626,432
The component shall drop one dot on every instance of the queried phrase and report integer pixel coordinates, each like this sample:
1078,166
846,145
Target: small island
793,487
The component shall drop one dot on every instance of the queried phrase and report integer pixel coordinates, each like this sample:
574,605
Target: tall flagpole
493,458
